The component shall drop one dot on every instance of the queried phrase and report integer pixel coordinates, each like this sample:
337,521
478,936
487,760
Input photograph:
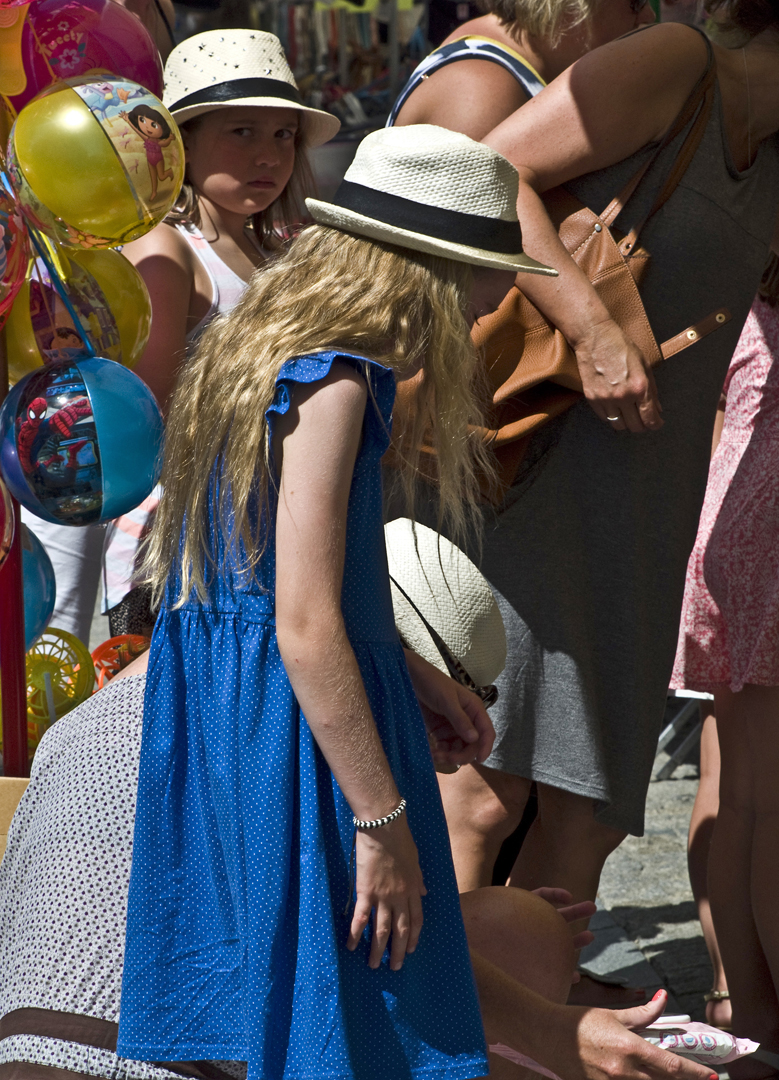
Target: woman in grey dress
589,550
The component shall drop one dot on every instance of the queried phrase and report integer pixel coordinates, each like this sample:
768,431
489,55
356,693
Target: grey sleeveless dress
589,552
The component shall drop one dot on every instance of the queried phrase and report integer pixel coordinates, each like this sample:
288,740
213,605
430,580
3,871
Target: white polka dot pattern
236,937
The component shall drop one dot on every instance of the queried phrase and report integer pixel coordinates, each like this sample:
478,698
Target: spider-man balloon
80,442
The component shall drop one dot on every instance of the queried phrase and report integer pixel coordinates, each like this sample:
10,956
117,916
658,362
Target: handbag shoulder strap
700,100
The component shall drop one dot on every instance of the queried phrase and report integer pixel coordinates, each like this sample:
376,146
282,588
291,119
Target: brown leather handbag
531,369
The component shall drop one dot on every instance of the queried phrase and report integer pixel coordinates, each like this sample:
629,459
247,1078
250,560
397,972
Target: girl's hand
389,882
616,380
458,725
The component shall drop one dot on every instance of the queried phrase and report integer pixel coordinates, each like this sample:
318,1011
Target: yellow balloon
95,163
127,297
107,296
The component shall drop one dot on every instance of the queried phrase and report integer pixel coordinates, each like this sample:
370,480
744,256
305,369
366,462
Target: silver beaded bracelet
378,822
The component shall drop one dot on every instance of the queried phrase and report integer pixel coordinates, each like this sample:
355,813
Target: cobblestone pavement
647,930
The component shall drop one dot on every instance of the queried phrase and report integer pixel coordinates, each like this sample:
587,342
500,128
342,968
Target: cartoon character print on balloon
55,334
56,442
140,136
95,163
155,132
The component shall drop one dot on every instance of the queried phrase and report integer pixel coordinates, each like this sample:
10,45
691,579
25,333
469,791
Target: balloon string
59,285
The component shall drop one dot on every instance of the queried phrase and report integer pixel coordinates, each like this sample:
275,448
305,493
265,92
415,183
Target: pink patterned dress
729,633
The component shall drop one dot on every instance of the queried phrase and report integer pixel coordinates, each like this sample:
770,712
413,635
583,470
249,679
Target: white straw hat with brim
432,190
436,586
225,68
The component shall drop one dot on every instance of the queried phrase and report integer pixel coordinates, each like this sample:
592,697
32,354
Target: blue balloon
80,441
40,587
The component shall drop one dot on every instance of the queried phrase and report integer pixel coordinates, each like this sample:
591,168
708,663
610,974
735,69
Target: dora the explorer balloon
77,155
155,131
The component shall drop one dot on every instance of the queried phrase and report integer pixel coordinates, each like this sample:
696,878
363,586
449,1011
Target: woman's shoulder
667,46
468,94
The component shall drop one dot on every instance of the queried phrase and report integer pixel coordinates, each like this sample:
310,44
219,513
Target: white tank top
226,286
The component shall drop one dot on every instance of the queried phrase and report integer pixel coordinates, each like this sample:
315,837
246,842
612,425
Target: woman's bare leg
702,819
566,848
483,807
762,705
525,937
743,865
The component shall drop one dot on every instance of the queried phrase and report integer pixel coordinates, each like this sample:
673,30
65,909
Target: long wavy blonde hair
331,290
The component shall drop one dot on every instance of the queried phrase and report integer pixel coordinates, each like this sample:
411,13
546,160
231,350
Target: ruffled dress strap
314,367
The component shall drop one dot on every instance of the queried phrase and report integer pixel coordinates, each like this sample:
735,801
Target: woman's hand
606,1049
562,901
458,725
598,1044
617,381
389,883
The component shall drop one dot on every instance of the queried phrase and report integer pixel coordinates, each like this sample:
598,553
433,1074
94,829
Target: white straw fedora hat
432,190
444,607
237,67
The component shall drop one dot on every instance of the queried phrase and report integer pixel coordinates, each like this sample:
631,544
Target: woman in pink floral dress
729,646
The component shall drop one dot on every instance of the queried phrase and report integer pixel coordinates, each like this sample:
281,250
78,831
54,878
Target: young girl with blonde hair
283,747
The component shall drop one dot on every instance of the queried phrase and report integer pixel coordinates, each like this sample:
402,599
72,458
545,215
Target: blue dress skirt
236,929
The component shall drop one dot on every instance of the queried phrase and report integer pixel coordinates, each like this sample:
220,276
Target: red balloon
62,39
14,252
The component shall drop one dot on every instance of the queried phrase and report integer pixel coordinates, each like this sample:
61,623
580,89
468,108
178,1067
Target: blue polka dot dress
236,929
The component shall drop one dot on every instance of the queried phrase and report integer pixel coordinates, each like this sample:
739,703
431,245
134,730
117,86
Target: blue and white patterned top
235,930
472,47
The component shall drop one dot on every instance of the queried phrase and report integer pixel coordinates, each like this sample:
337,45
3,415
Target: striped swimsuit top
472,47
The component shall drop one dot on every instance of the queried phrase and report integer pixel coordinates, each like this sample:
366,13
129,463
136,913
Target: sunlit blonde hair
331,290
546,19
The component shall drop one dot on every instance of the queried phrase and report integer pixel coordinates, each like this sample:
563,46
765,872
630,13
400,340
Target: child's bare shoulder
163,242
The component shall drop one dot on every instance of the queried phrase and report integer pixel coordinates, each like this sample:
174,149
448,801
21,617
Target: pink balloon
80,37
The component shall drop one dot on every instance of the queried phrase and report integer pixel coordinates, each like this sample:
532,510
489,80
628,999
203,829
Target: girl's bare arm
163,261
316,443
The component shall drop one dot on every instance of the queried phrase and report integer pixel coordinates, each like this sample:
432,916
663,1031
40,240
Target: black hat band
225,92
471,230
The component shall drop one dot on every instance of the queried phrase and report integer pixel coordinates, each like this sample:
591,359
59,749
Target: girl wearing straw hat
246,132
289,834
